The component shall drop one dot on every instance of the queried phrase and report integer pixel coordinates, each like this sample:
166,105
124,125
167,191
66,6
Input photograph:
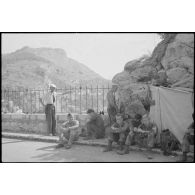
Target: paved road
30,151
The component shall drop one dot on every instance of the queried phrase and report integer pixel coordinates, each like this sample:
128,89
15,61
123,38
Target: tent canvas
172,110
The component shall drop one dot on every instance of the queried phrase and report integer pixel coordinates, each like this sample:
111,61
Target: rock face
171,64
178,61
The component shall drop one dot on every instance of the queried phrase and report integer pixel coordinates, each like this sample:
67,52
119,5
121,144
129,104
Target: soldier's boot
125,151
120,146
108,147
183,157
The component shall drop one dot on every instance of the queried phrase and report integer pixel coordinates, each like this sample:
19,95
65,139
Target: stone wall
36,123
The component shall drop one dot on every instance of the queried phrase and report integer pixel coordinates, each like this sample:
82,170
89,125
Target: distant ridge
35,67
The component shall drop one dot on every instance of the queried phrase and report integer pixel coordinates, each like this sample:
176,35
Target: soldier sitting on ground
95,126
145,131
188,140
117,133
134,123
69,132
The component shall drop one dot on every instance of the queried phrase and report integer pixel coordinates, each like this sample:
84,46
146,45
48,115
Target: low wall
36,123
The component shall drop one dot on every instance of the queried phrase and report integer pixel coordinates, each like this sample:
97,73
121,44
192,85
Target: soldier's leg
90,130
48,119
62,138
72,137
53,120
94,132
128,142
110,140
99,132
122,137
185,147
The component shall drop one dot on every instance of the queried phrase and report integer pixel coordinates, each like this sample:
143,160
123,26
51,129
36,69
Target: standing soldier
112,107
48,102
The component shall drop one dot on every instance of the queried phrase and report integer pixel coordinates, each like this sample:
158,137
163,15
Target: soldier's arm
140,129
114,128
42,99
64,126
75,126
124,128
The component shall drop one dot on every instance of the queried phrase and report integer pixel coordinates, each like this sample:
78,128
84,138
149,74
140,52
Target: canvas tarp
172,110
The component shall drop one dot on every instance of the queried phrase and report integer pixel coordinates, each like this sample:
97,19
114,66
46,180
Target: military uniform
120,134
117,133
49,100
130,139
95,127
188,139
70,135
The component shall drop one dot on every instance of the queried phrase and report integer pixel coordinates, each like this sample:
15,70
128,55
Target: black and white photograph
97,97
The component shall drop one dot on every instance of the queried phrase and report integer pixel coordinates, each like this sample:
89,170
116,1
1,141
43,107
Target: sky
104,53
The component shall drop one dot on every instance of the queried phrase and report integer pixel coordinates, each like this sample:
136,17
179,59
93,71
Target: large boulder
171,65
123,79
178,61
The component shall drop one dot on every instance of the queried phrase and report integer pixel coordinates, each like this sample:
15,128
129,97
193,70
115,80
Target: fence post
31,100
71,98
56,100
65,100
80,99
61,100
92,96
75,99
86,97
97,98
103,97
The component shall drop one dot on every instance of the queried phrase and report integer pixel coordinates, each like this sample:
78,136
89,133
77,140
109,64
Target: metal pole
75,99
39,98
65,101
70,98
55,103
103,97
86,97
31,100
80,99
8,97
97,98
92,96
61,100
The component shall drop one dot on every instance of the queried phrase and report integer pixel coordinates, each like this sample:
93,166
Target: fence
71,99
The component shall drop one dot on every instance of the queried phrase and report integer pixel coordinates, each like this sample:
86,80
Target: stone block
41,116
6,116
17,116
33,116
62,117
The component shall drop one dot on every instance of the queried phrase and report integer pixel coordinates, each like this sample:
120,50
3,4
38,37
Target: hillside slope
34,67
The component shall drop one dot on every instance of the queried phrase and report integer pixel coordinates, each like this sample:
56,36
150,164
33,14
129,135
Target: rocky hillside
171,64
34,68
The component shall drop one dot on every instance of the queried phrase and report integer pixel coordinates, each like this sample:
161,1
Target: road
30,151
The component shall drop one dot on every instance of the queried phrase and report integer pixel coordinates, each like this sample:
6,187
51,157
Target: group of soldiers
125,131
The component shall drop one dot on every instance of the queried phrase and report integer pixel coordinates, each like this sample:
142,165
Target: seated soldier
69,132
188,140
134,123
149,129
95,126
117,133
146,130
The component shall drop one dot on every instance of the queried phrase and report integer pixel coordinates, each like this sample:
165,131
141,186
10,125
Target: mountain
35,67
